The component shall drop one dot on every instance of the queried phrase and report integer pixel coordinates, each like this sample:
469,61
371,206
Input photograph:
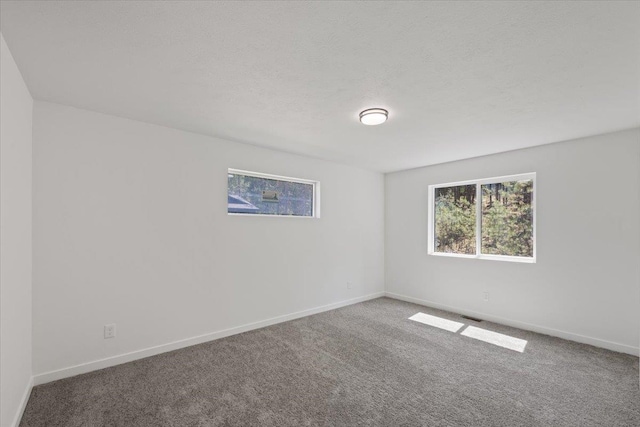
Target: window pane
264,196
455,219
507,218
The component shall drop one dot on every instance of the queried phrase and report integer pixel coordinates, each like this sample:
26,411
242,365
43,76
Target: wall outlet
110,330
349,285
485,296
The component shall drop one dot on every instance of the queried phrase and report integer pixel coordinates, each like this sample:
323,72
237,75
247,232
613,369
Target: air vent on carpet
472,318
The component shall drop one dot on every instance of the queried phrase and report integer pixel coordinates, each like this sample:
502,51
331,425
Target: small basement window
254,193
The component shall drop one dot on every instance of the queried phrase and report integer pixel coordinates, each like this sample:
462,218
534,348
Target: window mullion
478,219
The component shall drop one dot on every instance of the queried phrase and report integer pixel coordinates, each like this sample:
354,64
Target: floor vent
475,319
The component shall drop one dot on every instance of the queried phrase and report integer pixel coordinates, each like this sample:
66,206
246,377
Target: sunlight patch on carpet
438,322
495,338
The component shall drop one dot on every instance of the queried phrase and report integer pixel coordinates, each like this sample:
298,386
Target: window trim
315,208
479,182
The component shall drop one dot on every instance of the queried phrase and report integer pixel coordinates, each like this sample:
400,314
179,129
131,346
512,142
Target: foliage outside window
489,218
252,193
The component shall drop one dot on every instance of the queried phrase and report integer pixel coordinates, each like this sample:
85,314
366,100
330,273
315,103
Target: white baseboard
609,345
152,351
23,403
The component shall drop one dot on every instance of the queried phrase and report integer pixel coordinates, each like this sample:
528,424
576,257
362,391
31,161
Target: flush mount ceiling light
373,116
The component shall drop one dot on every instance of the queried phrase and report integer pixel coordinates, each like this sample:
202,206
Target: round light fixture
373,116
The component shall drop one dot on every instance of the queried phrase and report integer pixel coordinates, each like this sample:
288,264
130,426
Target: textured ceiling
459,79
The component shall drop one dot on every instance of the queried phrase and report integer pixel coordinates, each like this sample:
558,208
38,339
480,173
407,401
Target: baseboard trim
609,345
107,362
23,403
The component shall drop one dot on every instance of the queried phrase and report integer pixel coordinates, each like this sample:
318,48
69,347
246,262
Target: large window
490,218
252,193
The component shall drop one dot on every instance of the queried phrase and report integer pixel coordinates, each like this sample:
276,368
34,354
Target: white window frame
315,211
479,183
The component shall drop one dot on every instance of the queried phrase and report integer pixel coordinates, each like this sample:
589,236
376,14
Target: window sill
525,260
273,216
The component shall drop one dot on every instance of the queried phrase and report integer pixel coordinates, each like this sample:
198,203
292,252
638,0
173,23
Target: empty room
319,213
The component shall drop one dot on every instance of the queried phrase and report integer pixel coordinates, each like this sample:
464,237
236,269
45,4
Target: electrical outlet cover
110,330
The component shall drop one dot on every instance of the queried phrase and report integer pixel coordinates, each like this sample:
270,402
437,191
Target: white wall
130,227
584,285
15,239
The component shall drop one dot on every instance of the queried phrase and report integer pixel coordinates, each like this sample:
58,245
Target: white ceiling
459,79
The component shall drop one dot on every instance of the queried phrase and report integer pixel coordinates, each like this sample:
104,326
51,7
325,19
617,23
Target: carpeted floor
362,365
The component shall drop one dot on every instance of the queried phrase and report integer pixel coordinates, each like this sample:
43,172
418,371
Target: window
252,193
490,218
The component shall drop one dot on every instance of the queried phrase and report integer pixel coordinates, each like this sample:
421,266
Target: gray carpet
362,365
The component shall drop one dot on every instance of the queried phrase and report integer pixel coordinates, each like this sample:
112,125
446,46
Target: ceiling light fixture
373,116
